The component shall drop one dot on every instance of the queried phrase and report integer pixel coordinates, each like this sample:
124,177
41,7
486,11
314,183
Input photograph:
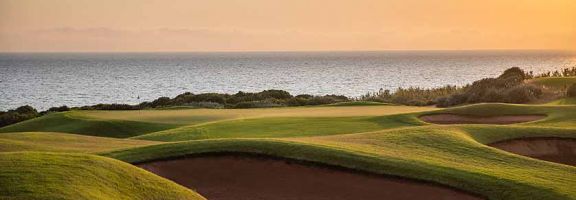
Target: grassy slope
451,155
398,144
63,142
564,101
78,176
282,127
75,122
199,116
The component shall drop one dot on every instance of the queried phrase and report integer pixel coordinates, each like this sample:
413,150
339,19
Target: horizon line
300,51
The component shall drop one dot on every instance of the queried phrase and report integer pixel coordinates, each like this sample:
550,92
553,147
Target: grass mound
74,122
63,142
77,176
282,127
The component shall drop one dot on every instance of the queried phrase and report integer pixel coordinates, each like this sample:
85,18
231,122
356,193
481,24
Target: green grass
559,83
200,116
564,101
380,139
74,122
32,175
63,142
282,127
359,103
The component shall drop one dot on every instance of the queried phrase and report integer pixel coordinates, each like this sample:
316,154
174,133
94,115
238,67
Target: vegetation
72,122
64,142
513,86
571,91
507,88
380,139
79,176
566,72
411,96
17,115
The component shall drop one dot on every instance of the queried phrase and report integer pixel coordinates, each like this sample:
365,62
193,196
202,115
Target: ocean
44,80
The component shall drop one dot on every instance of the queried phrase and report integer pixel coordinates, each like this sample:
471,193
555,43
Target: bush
571,91
256,104
19,114
507,88
523,94
59,109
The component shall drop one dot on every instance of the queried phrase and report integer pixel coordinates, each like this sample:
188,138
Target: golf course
358,150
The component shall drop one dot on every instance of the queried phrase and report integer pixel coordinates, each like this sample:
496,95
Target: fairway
377,139
197,116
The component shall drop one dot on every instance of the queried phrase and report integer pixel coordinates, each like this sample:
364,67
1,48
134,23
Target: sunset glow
263,25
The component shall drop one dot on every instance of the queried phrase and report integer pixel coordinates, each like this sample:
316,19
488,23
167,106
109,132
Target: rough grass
32,175
558,83
564,101
63,142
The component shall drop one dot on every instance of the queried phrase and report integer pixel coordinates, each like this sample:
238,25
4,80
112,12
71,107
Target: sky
284,25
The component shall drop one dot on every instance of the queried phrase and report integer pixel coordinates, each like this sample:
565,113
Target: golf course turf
383,140
464,119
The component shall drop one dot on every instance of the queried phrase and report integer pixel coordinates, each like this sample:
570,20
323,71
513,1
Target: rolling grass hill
64,142
282,127
76,122
380,139
31,175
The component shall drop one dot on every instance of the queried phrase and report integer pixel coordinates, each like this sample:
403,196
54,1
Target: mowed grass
199,116
283,127
75,122
30,175
64,142
387,140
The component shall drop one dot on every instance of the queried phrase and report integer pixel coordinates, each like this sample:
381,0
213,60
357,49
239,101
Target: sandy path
225,177
464,119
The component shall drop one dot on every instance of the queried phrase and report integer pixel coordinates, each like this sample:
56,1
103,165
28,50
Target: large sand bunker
219,177
467,119
559,150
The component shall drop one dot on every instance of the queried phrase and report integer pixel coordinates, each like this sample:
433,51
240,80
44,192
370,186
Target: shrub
523,94
59,109
17,115
571,91
256,104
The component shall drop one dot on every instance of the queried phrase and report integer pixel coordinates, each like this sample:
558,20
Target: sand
466,119
222,177
559,150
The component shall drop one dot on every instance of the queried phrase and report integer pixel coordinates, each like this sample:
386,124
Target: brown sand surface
222,177
559,150
466,119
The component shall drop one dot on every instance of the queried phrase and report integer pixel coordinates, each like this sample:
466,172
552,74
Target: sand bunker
467,119
559,150
219,177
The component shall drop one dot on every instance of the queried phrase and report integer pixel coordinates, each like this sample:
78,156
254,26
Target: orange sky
285,25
